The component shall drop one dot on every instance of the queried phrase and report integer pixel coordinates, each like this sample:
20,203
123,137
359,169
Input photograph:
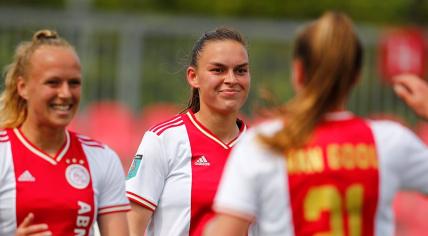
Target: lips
61,107
230,92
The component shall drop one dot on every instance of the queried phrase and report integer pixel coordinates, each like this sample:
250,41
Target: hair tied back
43,35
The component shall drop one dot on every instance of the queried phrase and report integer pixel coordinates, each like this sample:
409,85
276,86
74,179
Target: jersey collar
210,135
40,153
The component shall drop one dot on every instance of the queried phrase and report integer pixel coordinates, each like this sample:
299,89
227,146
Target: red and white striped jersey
175,173
341,183
67,192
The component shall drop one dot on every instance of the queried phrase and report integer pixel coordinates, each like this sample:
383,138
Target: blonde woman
53,181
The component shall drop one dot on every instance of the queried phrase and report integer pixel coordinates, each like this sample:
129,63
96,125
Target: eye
217,70
52,82
74,83
241,70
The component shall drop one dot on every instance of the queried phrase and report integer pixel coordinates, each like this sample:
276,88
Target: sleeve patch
134,166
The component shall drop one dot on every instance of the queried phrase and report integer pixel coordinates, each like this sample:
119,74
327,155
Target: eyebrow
220,64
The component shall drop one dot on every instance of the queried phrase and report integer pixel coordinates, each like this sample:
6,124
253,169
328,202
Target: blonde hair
13,108
331,54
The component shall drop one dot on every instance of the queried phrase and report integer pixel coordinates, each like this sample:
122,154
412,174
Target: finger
27,220
46,233
403,92
410,81
36,228
405,76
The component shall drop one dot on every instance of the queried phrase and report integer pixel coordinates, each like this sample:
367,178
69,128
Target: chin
61,123
229,110
233,107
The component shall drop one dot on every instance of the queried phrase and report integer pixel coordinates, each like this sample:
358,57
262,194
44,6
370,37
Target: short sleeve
112,195
403,153
253,186
7,190
414,174
148,172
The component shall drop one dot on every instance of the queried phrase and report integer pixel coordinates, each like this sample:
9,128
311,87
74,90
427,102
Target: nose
64,91
230,77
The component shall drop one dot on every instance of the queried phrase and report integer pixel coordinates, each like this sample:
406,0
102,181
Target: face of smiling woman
51,87
222,76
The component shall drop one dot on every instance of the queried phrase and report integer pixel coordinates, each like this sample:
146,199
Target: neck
340,107
223,126
45,138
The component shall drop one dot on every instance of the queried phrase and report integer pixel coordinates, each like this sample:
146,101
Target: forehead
53,62
52,53
54,56
223,51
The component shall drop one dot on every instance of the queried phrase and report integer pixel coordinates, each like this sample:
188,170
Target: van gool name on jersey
338,156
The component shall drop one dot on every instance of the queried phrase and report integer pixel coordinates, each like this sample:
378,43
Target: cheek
39,95
246,83
209,84
76,93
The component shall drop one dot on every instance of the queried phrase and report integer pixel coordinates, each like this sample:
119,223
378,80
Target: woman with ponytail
177,167
319,169
52,180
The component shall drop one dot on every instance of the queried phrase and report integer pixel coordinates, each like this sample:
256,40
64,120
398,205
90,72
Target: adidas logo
26,177
202,161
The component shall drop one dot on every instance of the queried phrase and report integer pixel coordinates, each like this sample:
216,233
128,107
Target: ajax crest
77,176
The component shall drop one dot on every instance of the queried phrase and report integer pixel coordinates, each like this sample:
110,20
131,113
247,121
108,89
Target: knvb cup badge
134,166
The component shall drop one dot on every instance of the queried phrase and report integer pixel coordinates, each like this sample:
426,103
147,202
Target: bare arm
113,224
227,225
414,91
139,218
29,229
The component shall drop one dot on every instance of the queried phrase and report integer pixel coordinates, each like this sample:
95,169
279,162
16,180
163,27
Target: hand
414,91
28,229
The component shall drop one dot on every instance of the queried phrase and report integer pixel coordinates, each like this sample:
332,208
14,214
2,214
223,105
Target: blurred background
134,55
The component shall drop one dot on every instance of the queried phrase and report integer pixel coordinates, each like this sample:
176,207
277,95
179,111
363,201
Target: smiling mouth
62,107
229,91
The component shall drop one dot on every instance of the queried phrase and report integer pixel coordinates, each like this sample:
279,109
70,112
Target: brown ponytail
331,54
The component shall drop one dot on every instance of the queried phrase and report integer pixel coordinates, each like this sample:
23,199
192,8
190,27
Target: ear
22,88
298,75
192,77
